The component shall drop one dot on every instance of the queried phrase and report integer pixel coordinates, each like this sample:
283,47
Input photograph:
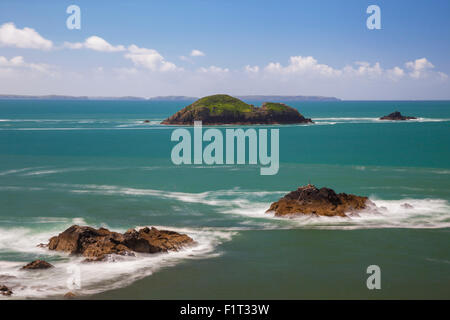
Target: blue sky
247,47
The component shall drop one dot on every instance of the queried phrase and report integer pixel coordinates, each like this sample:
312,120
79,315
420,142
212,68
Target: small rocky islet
222,109
97,244
310,200
397,116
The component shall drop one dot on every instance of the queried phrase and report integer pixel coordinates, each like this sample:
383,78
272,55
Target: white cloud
363,69
18,64
197,53
443,75
143,57
149,58
10,36
251,69
95,43
13,62
302,65
309,66
395,73
214,70
419,67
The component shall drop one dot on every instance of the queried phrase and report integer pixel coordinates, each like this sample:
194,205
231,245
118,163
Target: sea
97,163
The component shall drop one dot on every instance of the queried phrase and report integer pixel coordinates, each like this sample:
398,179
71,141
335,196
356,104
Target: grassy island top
219,103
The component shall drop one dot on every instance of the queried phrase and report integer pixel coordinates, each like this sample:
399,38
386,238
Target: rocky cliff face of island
95,244
224,109
322,202
396,116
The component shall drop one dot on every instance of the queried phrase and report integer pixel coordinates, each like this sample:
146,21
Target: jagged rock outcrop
223,109
4,290
37,264
322,202
95,244
396,116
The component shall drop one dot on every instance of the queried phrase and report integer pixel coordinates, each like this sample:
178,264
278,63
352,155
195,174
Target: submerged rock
96,243
396,116
322,202
37,264
407,206
4,290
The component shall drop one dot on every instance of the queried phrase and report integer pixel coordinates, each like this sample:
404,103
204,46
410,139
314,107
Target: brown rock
322,202
4,290
153,240
37,264
70,295
96,243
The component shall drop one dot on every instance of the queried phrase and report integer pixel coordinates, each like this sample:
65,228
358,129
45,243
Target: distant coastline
165,98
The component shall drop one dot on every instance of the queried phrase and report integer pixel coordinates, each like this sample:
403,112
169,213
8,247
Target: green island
222,109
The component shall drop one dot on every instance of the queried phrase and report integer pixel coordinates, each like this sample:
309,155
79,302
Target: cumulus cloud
13,62
419,67
395,73
18,64
197,53
142,57
365,68
250,69
309,66
302,65
95,43
149,59
11,36
214,70
362,69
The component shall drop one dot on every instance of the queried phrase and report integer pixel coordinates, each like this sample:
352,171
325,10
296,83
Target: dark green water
97,163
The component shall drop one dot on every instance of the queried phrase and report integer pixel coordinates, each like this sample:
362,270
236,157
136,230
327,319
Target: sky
199,47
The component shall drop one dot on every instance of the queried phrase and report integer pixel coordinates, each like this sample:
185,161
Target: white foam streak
338,120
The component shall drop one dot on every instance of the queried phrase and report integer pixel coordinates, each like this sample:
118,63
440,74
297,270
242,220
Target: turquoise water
97,163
